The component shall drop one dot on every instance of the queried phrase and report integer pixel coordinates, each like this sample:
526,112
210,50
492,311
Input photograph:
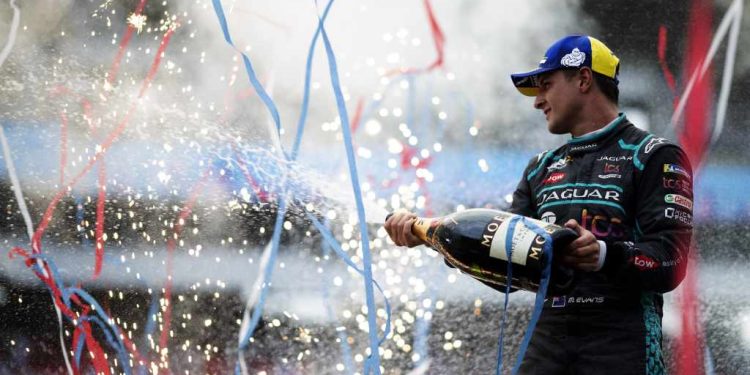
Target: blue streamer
328,236
541,293
373,362
117,344
79,349
112,342
66,293
306,94
346,352
248,66
509,281
709,362
276,238
282,202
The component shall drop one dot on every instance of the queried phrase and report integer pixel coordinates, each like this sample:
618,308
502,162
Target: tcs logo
602,226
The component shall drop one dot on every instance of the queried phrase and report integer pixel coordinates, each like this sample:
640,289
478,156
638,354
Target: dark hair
608,86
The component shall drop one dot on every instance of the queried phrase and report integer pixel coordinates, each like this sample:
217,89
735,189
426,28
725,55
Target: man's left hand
583,253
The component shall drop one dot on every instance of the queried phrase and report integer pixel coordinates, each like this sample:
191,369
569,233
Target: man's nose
538,101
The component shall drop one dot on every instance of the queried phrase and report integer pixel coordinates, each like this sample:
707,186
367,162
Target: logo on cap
575,58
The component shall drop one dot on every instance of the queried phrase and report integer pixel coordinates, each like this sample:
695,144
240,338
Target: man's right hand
398,227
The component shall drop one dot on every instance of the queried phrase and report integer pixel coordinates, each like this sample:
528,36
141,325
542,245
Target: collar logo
560,164
575,58
583,147
653,143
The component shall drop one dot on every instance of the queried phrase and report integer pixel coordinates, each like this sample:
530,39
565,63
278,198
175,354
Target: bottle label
526,244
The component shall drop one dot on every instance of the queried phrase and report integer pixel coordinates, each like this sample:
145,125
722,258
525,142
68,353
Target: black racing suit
634,192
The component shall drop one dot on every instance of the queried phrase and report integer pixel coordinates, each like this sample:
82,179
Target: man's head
575,72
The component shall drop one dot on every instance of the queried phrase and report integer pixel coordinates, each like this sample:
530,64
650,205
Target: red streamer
437,36
157,60
171,244
98,359
111,138
99,234
438,39
357,115
668,76
123,45
96,351
694,139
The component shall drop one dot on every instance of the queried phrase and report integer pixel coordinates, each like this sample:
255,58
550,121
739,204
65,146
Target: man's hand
583,253
398,227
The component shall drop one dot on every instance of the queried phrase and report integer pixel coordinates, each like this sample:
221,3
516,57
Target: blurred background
137,151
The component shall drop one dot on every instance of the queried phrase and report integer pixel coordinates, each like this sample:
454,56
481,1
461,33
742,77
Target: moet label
524,244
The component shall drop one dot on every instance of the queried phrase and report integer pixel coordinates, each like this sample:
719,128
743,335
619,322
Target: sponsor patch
652,143
575,58
602,226
645,263
679,215
679,200
553,178
595,193
608,176
558,301
549,217
676,169
677,184
611,168
560,164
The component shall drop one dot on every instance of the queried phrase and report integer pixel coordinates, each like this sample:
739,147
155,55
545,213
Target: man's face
559,99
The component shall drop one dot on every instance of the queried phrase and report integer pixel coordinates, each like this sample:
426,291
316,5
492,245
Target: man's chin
556,129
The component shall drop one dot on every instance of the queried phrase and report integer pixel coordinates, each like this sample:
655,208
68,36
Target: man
627,193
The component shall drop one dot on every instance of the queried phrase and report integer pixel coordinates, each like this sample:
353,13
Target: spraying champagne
475,241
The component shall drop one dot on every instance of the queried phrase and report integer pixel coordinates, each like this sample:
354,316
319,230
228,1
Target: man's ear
585,79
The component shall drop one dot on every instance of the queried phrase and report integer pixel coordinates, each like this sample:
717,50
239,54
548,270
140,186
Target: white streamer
726,83
12,34
16,185
30,231
731,18
14,178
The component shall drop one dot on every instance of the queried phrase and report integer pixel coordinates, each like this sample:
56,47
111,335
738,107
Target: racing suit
633,191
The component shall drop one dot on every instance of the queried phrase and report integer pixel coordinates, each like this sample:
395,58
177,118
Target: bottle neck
421,229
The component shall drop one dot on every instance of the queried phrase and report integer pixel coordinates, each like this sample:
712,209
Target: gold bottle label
421,227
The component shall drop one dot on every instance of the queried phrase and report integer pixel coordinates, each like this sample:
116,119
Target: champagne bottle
474,241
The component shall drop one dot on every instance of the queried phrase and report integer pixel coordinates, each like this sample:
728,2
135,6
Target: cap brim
527,83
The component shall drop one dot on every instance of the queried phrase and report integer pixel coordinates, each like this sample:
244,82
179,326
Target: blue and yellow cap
572,51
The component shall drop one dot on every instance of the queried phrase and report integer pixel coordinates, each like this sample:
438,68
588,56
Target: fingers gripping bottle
474,241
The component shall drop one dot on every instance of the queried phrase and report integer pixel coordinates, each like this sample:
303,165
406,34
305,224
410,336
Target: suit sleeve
657,259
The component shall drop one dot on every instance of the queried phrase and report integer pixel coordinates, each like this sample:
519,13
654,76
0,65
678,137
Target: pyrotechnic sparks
137,21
